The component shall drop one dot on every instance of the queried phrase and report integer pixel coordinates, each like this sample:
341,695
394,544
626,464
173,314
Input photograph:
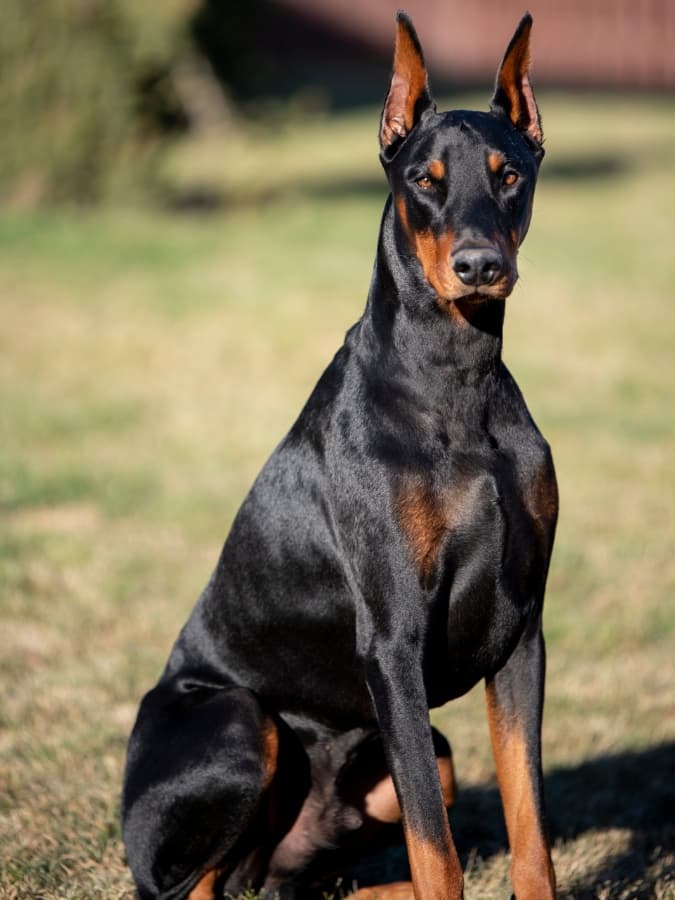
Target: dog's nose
482,265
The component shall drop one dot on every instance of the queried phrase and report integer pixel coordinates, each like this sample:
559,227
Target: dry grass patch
148,364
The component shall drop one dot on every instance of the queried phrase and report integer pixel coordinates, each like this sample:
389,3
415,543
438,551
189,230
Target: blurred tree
245,43
79,104
262,49
91,90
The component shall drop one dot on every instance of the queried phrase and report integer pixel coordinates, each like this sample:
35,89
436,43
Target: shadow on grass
199,199
591,167
632,792
206,198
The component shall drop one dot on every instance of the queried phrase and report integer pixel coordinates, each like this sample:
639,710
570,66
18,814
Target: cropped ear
513,94
408,95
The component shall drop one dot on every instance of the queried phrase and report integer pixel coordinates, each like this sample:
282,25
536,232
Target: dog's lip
477,296
486,293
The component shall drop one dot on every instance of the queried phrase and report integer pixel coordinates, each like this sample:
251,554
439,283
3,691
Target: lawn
149,362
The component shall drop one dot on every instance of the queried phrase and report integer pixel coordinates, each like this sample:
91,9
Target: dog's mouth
474,294
481,295
468,275
451,290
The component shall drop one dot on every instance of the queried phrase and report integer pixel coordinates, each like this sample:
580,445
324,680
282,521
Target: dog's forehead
469,131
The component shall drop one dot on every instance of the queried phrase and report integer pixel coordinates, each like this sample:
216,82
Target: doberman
392,553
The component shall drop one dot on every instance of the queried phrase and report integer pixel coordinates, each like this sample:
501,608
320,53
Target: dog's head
463,181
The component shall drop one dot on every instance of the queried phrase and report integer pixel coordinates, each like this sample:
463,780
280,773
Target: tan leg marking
531,868
270,751
205,887
436,874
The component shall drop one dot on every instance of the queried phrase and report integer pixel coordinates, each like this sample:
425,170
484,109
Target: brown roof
589,42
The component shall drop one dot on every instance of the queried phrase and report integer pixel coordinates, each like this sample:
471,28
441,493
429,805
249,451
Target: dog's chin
484,294
478,297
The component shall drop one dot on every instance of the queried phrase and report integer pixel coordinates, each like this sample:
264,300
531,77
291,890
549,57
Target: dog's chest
479,535
479,500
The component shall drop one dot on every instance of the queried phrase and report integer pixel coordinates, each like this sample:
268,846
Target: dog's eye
510,177
424,182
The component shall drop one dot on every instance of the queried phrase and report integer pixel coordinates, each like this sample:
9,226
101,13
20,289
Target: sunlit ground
149,362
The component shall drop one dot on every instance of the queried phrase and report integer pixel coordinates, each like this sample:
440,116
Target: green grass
150,361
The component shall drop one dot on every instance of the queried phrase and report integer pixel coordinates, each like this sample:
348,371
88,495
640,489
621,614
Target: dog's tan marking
402,215
531,868
436,169
426,515
436,873
514,80
423,518
434,254
408,83
205,889
495,161
381,802
270,752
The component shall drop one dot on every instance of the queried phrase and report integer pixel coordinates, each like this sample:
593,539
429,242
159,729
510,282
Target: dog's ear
408,95
513,94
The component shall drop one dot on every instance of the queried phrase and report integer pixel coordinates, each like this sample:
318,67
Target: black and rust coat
394,549
412,504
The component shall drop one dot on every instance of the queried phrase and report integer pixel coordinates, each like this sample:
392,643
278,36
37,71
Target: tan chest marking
426,516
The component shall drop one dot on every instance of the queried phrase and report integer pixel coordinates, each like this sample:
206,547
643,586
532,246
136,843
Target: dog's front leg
398,693
514,703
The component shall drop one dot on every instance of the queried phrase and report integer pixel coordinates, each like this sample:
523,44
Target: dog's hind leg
201,759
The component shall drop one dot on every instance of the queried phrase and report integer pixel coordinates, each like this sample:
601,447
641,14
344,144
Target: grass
150,361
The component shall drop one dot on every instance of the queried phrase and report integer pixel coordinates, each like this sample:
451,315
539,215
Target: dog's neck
414,333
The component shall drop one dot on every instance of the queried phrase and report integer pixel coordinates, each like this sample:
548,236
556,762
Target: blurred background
93,93
189,202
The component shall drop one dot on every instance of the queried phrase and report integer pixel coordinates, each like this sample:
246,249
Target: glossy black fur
319,621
